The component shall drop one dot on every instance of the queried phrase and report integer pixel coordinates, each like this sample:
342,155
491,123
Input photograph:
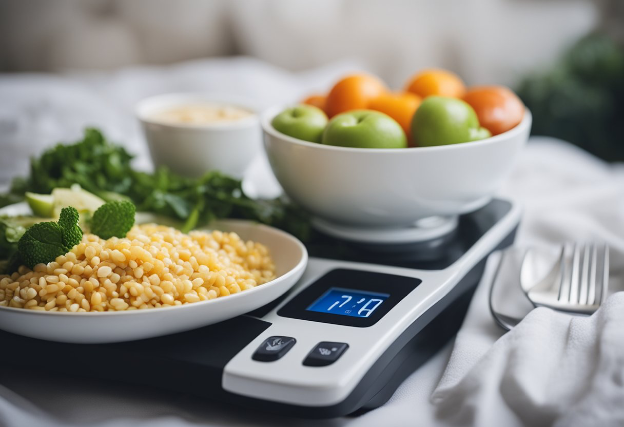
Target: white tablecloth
38,110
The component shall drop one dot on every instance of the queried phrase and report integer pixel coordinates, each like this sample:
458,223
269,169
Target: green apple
364,129
302,122
442,121
478,134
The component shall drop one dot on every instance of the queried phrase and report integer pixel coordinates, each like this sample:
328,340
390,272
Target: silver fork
577,283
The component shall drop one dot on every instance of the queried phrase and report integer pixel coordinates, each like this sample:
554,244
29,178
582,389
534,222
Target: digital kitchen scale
360,320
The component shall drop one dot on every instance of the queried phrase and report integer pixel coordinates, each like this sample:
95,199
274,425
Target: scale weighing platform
360,320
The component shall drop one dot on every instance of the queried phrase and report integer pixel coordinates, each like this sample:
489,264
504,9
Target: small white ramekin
194,149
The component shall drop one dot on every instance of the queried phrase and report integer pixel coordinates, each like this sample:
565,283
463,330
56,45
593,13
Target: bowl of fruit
366,157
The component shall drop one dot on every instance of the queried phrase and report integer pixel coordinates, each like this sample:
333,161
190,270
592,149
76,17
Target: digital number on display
347,302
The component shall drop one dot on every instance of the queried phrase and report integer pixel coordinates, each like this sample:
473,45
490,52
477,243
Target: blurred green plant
581,98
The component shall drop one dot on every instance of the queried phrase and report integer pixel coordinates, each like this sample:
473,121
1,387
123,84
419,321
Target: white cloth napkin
553,368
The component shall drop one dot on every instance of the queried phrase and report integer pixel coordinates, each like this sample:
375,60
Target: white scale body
288,381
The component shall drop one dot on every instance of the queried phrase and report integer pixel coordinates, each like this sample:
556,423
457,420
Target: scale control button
273,348
325,353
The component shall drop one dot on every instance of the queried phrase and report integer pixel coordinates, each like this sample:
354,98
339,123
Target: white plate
289,255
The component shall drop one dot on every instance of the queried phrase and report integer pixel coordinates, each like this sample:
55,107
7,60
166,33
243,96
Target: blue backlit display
348,302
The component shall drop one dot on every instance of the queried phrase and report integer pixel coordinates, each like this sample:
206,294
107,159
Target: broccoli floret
113,219
44,242
69,221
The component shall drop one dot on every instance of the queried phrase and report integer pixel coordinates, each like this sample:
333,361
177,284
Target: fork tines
584,275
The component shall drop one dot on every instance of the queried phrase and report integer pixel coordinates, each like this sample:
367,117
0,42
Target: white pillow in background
485,41
171,31
56,35
93,43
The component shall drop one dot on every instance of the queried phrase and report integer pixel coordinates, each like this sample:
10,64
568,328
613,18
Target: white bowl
194,149
381,188
289,255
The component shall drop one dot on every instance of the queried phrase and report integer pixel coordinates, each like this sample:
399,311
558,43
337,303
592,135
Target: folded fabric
552,369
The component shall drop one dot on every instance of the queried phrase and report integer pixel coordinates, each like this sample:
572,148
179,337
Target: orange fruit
318,101
353,93
400,106
497,107
436,82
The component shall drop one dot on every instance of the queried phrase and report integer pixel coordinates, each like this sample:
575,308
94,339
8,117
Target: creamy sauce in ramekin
200,114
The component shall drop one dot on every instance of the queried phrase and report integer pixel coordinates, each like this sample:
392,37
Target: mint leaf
113,219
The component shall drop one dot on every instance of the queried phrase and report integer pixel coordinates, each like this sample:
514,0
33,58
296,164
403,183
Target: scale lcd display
348,302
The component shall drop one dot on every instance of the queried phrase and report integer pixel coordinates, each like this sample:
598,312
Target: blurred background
563,57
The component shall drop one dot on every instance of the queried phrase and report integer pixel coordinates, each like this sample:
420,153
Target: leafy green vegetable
10,233
45,241
199,201
94,163
104,169
8,266
113,219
